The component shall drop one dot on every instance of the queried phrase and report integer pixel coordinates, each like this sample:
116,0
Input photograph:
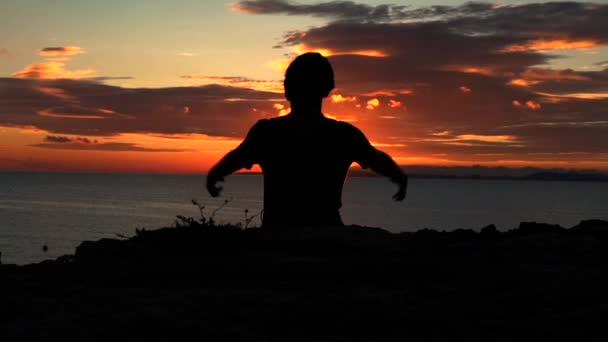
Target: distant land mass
454,172
488,172
484,172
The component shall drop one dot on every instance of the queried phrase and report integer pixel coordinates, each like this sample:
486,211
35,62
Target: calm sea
62,210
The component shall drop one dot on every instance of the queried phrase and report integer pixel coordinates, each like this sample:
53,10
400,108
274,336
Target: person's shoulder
262,123
269,122
267,126
346,127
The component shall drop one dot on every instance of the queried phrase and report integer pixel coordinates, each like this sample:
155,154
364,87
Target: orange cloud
283,110
503,139
380,93
60,51
546,45
394,103
373,103
108,111
377,144
580,96
530,104
52,70
522,82
465,89
469,69
338,98
447,138
533,105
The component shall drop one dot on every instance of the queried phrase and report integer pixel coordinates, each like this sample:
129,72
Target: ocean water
62,210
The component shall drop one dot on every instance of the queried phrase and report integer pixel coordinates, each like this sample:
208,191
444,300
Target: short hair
310,75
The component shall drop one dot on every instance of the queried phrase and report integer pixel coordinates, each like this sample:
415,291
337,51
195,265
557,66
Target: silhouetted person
304,155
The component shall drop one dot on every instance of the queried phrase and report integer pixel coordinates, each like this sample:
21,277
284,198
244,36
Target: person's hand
400,194
212,187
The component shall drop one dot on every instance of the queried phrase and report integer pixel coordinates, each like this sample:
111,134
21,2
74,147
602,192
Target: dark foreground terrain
537,282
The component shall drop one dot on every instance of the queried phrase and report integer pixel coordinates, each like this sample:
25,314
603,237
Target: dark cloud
555,20
63,139
470,80
84,143
79,107
331,9
57,139
424,57
60,51
349,10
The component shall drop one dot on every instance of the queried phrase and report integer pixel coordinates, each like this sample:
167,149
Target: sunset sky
170,86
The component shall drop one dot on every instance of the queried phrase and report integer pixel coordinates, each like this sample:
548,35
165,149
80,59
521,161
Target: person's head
309,77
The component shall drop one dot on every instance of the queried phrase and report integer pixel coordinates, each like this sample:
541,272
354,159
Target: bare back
305,162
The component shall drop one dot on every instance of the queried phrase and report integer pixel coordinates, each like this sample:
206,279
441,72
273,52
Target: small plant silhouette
226,201
209,221
203,221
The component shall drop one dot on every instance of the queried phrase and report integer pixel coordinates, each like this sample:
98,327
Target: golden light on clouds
580,96
52,70
283,110
533,105
279,64
303,48
529,104
447,138
469,69
522,82
394,103
373,103
338,98
503,139
547,45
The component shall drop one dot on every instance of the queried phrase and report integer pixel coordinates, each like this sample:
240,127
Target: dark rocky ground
538,282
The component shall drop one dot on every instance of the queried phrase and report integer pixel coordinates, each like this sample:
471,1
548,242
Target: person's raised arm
383,164
369,157
244,156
